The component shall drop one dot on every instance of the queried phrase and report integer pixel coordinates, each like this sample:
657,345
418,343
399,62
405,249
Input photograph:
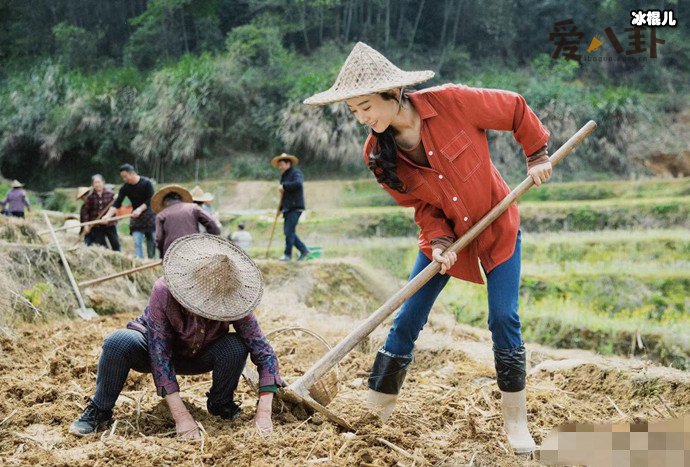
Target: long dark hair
382,161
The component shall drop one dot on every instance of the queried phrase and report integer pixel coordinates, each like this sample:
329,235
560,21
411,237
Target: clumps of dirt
448,411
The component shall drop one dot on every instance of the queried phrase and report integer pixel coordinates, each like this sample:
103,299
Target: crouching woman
209,284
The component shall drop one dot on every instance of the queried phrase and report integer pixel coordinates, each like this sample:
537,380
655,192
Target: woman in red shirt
428,150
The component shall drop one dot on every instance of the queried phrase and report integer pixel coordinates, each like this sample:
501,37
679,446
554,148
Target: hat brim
332,96
157,199
81,191
290,157
205,198
16,184
188,254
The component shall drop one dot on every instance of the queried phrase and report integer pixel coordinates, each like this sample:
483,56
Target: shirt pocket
419,187
461,154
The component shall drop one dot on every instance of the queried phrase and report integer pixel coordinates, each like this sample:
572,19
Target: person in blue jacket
291,203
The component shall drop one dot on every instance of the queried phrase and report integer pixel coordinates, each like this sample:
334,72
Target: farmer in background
209,285
291,190
203,200
139,191
16,200
241,238
178,216
82,193
428,149
96,205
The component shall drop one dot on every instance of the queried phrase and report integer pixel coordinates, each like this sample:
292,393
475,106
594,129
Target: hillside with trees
211,88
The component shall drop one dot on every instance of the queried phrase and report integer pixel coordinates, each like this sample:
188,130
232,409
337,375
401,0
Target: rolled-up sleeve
260,350
160,337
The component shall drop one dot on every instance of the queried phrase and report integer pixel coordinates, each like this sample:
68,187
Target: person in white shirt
241,238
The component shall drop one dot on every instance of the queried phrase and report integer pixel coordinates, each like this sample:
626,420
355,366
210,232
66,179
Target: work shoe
303,256
284,258
230,411
514,408
91,420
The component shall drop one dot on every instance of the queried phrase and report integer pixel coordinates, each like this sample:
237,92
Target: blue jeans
139,244
503,284
291,238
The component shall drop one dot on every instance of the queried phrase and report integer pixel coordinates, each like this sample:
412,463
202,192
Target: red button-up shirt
462,184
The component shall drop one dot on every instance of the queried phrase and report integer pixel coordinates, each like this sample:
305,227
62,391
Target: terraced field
606,265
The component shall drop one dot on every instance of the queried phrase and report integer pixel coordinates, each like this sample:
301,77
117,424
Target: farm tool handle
275,221
300,388
82,224
70,276
120,274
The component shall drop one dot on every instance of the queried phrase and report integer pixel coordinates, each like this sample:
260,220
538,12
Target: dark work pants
127,349
291,238
99,234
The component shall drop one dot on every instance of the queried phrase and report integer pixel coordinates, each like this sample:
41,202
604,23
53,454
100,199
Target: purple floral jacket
172,331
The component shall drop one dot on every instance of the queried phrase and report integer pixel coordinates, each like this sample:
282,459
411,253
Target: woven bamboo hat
284,156
200,196
157,199
211,277
82,190
17,184
367,71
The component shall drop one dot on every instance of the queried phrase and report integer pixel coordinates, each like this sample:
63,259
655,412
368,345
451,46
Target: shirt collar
422,105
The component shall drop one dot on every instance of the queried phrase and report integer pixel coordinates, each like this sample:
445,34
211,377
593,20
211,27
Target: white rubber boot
514,407
381,404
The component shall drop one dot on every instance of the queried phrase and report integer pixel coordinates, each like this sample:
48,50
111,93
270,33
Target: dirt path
449,412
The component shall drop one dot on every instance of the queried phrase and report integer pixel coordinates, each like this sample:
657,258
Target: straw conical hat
157,199
82,190
284,156
211,277
17,184
200,196
366,71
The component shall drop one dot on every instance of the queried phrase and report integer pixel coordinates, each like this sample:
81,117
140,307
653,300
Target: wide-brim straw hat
212,277
17,184
367,71
157,199
284,156
200,196
82,190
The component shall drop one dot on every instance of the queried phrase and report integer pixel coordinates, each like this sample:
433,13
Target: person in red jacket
428,149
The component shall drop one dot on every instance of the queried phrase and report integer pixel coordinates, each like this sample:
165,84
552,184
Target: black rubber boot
388,373
511,372
386,378
511,369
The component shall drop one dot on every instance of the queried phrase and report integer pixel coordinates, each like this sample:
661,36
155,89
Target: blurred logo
639,41
594,44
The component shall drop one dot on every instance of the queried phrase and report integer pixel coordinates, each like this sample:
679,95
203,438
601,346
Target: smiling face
375,110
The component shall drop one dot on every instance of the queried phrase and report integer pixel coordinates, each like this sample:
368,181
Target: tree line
86,84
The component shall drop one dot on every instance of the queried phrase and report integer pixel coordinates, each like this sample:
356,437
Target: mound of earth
449,411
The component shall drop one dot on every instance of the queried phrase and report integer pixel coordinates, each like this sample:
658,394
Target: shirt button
440,177
455,198
431,153
465,218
